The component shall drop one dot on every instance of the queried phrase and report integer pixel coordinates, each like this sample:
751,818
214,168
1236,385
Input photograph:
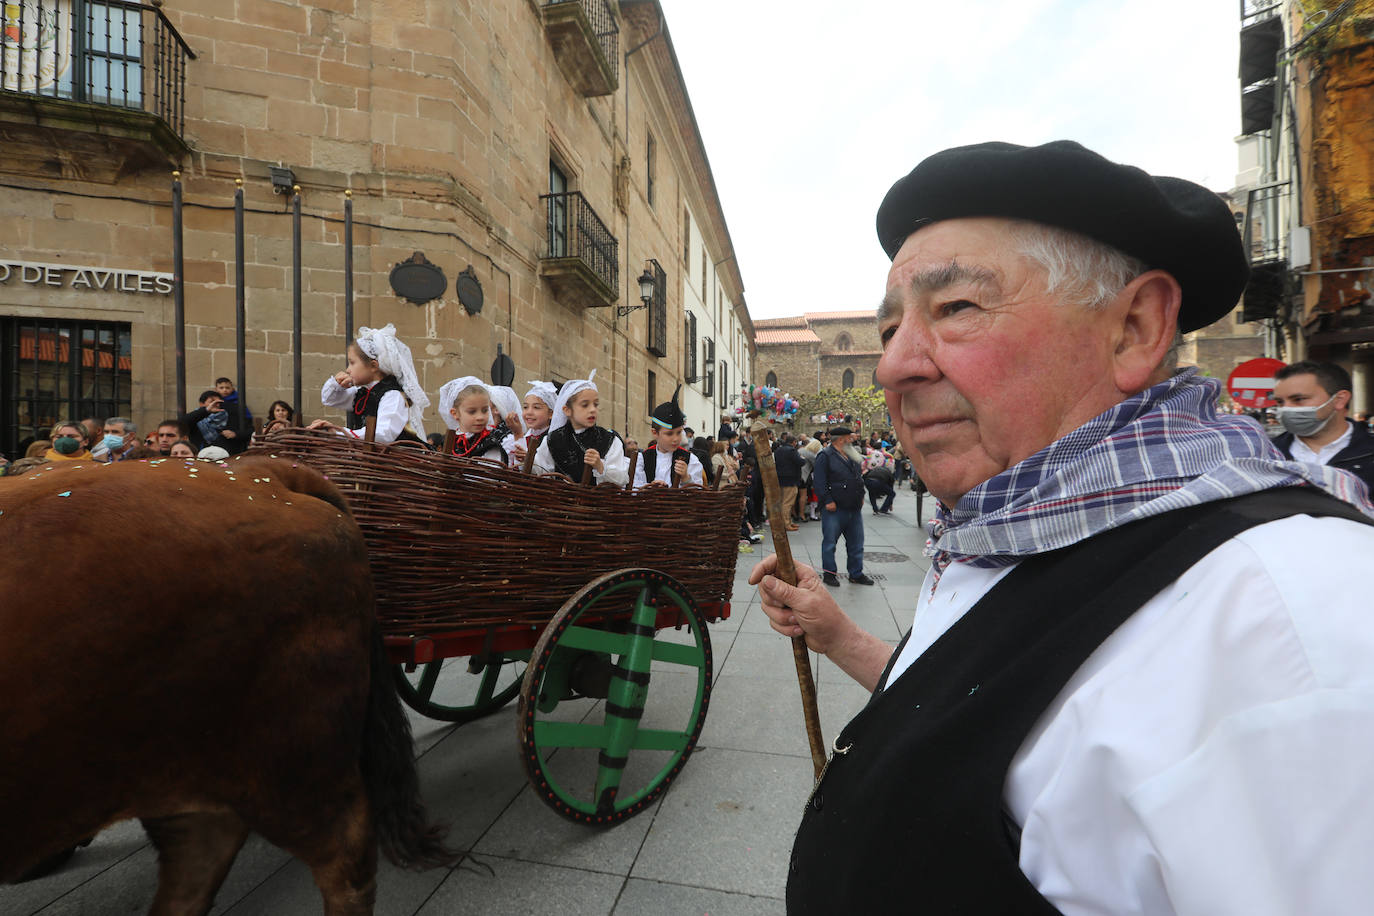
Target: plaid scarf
1160,450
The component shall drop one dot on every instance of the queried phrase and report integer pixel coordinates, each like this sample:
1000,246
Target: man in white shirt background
1313,399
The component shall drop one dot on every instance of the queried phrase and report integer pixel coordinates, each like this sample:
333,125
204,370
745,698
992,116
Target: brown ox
259,702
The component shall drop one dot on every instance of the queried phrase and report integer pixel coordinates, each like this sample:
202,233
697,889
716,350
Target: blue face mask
112,442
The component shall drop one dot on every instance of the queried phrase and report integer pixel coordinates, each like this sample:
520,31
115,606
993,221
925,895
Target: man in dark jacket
789,463
1313,399
840,491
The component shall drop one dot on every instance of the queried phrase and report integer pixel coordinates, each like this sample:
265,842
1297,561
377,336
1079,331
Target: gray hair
125,422
1084,271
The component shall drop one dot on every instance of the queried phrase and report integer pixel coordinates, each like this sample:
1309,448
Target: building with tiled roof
814,351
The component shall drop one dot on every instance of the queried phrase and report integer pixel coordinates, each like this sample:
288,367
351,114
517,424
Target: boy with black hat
658,465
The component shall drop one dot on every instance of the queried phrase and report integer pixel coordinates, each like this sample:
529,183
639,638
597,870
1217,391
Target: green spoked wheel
615,696
447,689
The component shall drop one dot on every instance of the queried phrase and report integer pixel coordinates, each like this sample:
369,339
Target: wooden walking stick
530,449
787,572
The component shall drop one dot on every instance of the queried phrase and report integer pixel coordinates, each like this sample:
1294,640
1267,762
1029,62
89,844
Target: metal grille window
109,52
60,370
724,384
658,311
708,346
653,391
558,212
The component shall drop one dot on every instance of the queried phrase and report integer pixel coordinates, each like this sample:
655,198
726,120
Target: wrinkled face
667,440
581,410
981,367
535,413
472,413
224,388
166,436
361,370
116,429
182,450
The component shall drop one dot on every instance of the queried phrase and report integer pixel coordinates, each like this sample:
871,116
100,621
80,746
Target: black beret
1168,223
841,431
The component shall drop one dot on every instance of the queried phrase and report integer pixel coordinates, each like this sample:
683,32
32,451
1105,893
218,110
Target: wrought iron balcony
586,43
116,68
581,257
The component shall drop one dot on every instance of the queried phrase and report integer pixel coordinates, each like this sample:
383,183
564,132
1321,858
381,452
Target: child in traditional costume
380,382
575,441
505,408
537,412
658,465
465,405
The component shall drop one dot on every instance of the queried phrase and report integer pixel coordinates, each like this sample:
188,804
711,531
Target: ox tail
405,833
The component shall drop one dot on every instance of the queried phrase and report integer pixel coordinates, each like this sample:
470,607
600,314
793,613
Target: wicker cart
589,604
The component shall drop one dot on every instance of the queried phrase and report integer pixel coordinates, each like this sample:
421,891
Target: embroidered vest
650,459
567,448
368,401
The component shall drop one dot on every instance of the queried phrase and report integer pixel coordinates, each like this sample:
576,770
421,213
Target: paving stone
521,889
655,898
749,713
91,865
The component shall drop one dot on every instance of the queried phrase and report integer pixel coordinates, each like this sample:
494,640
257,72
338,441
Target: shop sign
99,279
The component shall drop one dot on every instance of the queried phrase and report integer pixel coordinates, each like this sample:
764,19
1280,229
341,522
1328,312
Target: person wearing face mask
121,435
1313,398
68,444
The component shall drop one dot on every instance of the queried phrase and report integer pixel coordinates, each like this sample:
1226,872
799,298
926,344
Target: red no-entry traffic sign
1251,383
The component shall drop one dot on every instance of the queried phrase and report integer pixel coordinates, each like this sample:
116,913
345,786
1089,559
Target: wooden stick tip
238,182
176,175
348,192
295,189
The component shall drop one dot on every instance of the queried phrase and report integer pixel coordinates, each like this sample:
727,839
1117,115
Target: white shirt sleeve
392,416
694,469
335,395
640,479
617,464
543,459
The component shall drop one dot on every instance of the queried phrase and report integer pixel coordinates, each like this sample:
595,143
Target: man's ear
1147,308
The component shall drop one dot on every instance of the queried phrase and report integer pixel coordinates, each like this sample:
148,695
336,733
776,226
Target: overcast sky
810,110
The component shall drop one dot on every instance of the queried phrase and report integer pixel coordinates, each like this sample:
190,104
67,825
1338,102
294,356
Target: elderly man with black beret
1130,686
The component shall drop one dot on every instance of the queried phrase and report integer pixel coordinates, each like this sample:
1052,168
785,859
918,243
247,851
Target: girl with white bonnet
466,406
537,412
505,408
380,382
575,441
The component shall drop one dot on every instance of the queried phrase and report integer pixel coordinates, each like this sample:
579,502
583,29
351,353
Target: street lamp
646,294
708,368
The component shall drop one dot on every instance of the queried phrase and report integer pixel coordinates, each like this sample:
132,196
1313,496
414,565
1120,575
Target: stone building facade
545,150
816,351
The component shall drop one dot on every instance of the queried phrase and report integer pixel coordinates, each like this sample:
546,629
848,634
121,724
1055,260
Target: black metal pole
296,295
178,294
348,269
240,317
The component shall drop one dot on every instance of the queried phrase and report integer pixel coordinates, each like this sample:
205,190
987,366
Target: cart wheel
499,684
607,763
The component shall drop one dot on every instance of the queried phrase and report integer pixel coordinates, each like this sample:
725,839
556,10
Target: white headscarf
545,392
505,400
565,395
449,392
393,358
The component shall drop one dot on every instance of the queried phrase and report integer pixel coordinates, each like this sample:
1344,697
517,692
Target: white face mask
1303,422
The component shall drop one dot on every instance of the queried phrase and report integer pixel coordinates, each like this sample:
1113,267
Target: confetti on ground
65,493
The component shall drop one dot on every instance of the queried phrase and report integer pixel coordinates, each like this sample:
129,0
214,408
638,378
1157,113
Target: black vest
909,814
567,449
367,401
650,458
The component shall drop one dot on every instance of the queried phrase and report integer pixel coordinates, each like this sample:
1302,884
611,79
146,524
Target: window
844,343
652,391
650,166
771,380
558,212
686,237
658,312
724,384
848,380
689,361
875,380
60,370
708,348
703,274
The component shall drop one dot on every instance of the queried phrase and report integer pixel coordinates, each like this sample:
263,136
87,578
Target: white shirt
616,464
1303,452
392,412
1214,755
663,468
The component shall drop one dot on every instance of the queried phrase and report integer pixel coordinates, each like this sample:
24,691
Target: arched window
843,343
875,379
771,380
848,380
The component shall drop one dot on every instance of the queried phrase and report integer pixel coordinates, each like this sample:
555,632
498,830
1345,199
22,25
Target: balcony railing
586,43
105,52
581,257
1256,9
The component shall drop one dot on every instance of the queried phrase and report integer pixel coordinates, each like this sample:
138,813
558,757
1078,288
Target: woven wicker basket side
460,544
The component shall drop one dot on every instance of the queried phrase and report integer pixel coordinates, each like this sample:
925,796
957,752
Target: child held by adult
575,441
380,382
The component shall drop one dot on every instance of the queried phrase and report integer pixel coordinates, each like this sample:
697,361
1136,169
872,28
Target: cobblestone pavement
716,842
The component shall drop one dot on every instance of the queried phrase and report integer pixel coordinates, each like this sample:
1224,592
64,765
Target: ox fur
195,645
